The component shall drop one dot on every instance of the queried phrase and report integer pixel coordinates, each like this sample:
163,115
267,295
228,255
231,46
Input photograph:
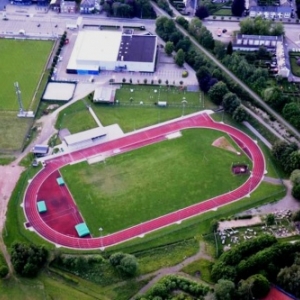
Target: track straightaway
129,142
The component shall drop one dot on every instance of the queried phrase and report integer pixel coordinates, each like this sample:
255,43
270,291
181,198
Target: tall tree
183,22
194,27
238,7
169,48
231,102
204,77
179,58
289,278
229,49
219,50
217,92
224,290
202,12
28,259
295,177
240,115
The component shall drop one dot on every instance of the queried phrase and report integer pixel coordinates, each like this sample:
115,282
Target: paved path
129,142
273,180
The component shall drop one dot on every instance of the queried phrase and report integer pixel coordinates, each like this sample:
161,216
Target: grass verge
200,268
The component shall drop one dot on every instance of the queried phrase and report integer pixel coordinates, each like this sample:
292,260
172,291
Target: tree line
129,9
264,255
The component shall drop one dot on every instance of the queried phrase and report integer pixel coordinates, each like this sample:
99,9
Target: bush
3,271
28,259
185,74
115,259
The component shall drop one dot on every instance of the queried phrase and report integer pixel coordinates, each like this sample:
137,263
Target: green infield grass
21,61
152,181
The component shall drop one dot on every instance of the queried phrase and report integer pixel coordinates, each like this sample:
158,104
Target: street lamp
101,248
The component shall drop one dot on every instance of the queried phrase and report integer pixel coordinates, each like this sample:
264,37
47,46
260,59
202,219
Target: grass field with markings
152,181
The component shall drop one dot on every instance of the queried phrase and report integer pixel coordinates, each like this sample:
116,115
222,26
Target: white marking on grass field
116,151
173,135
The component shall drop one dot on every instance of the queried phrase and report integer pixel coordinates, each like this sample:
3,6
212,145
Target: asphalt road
233,77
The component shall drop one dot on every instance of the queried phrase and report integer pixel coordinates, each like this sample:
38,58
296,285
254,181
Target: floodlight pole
183,105
101,229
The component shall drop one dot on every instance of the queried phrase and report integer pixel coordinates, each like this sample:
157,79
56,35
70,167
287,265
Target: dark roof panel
41,149
137,48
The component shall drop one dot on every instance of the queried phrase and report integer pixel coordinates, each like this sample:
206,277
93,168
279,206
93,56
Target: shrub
115,259
185,74
3,271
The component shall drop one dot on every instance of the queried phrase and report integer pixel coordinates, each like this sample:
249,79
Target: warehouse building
96,51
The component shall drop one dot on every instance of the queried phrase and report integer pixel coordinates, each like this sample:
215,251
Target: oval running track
129,142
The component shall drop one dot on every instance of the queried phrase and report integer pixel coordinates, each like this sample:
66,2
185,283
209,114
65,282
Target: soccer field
21,61
146,183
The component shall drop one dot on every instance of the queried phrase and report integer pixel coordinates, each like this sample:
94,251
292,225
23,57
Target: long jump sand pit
59,91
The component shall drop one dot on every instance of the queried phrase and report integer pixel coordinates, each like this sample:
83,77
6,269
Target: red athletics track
62,214
127,143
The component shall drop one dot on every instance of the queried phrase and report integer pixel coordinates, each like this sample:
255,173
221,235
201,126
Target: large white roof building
112,50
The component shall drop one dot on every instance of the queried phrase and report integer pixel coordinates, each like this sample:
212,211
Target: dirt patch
223,143
9,175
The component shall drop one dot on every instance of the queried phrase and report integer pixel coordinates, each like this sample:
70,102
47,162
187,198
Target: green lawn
294,66
146,183
77,118
203,266
148,94
223,12
131,115
166,256
49,285
22,61
12,130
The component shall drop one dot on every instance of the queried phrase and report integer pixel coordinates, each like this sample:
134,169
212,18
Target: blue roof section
275,9
82,229
41,205
60,181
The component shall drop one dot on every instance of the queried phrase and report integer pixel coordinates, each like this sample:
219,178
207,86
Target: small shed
83,138
41,206
104,95
162,103
40,150
82,229
60,181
